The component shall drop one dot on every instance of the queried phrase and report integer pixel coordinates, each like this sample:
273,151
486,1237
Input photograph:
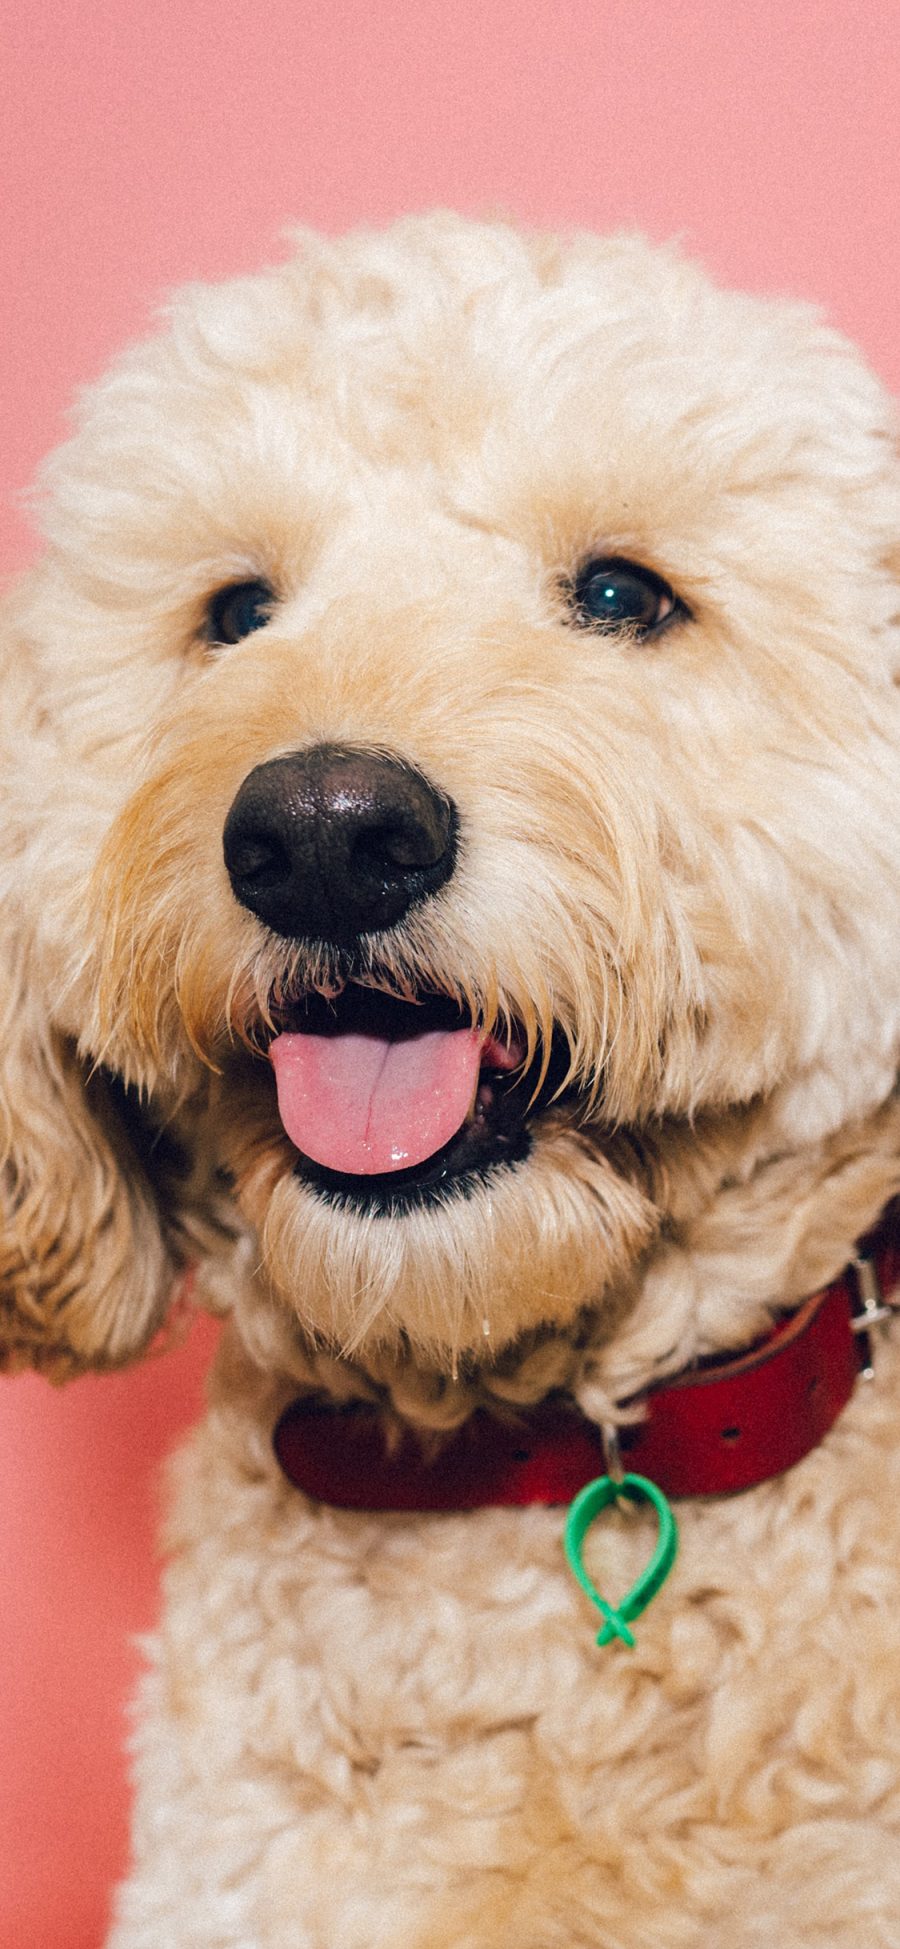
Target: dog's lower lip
496,1136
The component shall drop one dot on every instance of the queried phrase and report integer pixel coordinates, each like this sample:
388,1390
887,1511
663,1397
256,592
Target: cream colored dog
451,868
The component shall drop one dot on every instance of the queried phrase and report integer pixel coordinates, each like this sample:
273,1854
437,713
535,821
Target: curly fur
683,855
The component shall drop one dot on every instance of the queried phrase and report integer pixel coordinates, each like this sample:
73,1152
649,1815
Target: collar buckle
870,1311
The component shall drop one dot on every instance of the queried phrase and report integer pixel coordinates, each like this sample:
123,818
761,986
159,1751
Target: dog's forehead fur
620,396
685,851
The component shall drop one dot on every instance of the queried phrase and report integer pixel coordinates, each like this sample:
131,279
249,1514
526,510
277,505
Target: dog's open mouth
391,1102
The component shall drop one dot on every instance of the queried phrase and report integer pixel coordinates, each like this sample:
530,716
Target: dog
451,868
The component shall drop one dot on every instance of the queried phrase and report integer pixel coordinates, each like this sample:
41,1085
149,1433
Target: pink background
147,144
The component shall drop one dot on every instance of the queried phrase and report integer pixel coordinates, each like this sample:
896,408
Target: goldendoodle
451,866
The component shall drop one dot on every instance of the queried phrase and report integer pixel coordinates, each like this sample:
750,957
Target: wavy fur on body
679,859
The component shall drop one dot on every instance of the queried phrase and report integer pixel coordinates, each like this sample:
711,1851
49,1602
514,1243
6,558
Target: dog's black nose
333,842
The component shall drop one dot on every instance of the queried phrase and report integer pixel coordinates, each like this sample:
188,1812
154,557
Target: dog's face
467,680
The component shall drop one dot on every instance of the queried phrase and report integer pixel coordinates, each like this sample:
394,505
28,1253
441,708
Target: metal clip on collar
870,1312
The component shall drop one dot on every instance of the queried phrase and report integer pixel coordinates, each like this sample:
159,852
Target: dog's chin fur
600,1263
522,1246
677,862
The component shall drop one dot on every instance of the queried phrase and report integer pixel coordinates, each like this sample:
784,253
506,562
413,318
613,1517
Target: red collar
719,1426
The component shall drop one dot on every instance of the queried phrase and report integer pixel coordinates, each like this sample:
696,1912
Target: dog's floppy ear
89,1260
101,1211
104,1204
88,1250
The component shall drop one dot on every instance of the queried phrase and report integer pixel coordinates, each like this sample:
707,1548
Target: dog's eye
237,611
612,595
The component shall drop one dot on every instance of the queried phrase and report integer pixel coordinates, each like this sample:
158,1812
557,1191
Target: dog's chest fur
399,1731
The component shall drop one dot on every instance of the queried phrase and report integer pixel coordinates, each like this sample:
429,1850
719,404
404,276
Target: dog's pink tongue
363,1105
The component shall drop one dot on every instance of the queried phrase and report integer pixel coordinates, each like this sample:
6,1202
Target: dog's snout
333,842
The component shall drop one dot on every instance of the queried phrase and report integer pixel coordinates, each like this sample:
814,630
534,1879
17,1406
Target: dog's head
453,742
